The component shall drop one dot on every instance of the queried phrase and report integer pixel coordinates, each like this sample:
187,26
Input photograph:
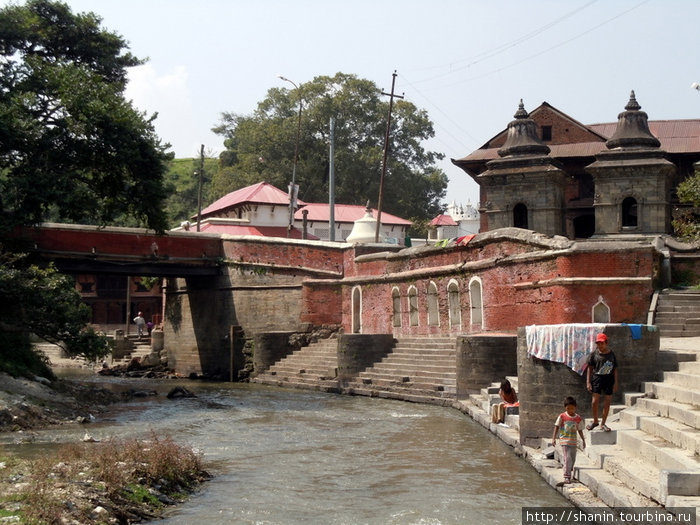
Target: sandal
604,428
591,426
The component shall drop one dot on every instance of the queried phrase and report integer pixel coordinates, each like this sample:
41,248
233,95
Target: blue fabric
635,329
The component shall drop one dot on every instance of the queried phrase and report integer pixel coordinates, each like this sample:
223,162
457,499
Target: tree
686,221
260,147
182,178
72,148
44,302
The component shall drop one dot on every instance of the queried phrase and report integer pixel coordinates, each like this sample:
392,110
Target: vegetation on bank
110,482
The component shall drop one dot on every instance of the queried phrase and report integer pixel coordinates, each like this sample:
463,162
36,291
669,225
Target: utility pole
386,151
199,189
331,183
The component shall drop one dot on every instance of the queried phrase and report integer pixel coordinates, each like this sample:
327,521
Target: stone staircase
313,367
141,348
651,458
652,455
678,313
419,369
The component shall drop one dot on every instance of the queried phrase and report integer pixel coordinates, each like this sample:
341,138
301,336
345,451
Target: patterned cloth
570,344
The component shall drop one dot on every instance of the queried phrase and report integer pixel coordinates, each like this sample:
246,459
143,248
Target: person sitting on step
508,399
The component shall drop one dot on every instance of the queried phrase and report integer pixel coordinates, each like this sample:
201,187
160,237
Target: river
297,457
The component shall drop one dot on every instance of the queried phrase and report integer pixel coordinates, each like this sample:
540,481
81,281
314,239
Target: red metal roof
260,193
345,213
676,136
260,231
443,220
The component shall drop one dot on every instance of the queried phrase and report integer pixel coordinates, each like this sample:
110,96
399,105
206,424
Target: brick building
550,173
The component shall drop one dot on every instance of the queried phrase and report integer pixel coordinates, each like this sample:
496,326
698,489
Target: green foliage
44,302
18,358
182,181
72,148
260,147
686,221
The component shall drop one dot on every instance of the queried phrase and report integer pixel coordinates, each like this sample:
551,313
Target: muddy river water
297,457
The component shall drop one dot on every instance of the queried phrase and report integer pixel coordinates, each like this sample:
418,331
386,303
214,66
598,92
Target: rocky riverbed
89,481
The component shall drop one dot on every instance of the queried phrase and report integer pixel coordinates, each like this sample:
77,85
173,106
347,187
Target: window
475,303
396,302
546,133
433,307
629,213
356,310
454,310
520,216
413,306
601,311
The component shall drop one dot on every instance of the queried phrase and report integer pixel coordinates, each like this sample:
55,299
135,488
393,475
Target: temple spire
522,136
632,128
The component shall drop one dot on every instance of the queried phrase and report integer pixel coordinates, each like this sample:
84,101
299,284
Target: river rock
150,360
179,391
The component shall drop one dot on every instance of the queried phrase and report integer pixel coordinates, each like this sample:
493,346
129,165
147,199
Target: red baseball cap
601,338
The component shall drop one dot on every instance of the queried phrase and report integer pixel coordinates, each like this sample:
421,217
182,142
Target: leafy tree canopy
71,147
686,222
260,147
45,303
182,179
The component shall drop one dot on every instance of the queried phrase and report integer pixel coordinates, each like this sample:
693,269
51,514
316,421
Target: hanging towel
635,330
570,344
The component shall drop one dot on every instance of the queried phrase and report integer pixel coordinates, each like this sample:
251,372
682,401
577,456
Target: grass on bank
112,481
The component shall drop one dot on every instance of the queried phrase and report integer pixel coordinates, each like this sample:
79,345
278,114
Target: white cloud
167,94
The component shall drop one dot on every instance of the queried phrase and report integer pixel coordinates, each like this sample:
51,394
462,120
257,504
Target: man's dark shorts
602,384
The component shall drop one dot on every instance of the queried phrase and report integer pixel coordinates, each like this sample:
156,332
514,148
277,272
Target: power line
479,57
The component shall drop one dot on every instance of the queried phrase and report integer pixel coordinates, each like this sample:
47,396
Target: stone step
682,379
674,432
691,367
672,393
400,383
415,369
670,359
372,378
632,472
657,451
674,410
359,390
427,341
422,353
321,386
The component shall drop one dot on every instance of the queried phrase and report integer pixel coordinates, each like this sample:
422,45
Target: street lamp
292,187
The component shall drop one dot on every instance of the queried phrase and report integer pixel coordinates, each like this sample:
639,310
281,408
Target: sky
466,62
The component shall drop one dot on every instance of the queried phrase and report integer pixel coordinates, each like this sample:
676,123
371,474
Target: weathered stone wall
268,348
484,359
359,351
543,385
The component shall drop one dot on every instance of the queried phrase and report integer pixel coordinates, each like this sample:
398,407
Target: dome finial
521,113
633,105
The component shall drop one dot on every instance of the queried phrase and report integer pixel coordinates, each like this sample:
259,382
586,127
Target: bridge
83,249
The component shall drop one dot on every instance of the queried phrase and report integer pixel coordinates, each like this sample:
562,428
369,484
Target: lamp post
292,187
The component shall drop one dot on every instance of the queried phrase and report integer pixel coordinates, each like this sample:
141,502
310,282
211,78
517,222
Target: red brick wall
543,288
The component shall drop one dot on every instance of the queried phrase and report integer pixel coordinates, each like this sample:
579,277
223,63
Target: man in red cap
601,378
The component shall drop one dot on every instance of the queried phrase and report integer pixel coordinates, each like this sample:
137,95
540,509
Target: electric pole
386,151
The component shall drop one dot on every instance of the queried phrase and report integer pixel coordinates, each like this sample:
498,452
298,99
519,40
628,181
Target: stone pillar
359,351
484,359
268,348
543,385
157,341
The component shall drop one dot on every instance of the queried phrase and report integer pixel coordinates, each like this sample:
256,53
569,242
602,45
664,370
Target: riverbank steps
648,459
